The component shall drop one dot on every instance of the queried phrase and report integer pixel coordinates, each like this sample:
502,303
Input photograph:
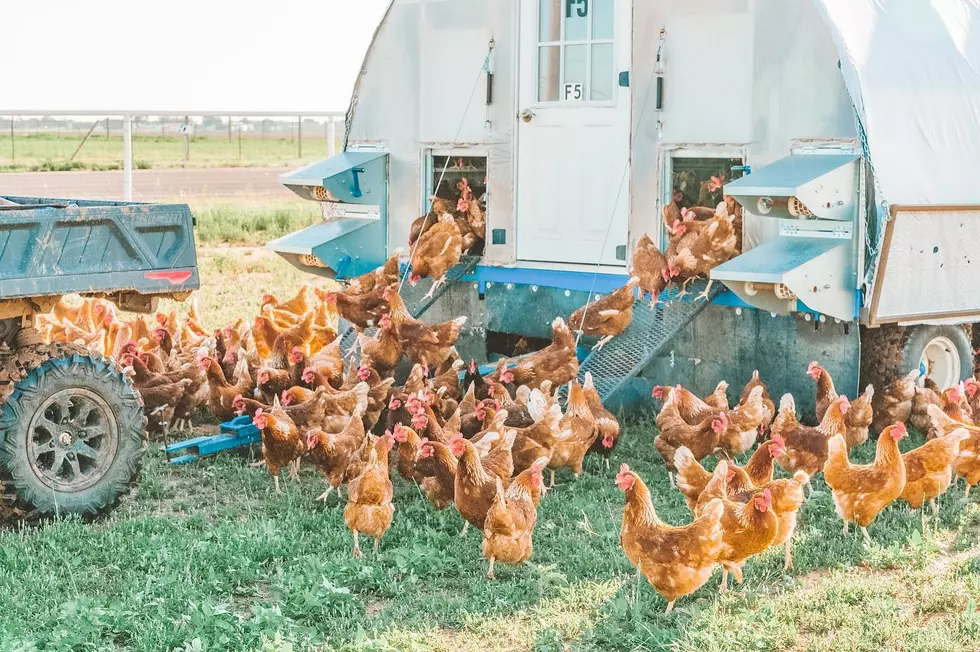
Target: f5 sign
573,92
580,7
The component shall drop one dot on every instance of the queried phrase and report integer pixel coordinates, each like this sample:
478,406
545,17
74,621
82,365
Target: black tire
95,458
892,351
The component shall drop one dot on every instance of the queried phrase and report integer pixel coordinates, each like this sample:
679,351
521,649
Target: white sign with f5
574,92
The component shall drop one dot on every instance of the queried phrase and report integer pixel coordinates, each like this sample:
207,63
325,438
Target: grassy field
52,152
249,222
207,557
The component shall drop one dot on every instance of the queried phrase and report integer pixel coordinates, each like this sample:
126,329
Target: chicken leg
845,528
323,497
966,494
466,527
935,508
788,561
357,547
275,480
670,607
704,294
436,284
601,343
864,531
723,587
490,575
377,544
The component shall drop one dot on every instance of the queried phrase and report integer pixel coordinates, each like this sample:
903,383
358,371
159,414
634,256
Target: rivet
807,317
534,288
823,318
489,284
568,293
510,286
738,311
772,314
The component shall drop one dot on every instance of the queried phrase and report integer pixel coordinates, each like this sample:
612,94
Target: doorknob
526,115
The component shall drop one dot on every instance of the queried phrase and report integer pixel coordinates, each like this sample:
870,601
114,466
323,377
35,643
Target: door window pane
549,72
602,19
576,60
602,72
577,19
549,17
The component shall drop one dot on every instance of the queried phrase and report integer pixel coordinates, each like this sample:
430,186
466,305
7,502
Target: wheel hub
941,361
72,439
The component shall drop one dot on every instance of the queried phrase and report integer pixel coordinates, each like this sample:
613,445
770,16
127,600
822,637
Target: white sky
183,55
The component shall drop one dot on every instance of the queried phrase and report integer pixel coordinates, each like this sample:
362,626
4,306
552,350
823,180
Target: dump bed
59,246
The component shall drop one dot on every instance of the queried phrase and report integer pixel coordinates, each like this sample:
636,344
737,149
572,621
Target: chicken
928,394
676,560
787,499
689,407
929,470
440,487
858,417
697,253
537,440
422,224
894,404
967,462
326,366
221,393
382,277
607,424
557,362
437,251
806,446
749,528
362,310
383,350
701,439
425,344
608,316
160,403
282,444
475,486
339,406
298,305
954,403
449,380
510,521
369,510
743,424
972,390
767,401
861,491
718,399
331,453
650,266
578,430
692,478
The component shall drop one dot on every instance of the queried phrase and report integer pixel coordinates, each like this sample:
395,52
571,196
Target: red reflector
175,277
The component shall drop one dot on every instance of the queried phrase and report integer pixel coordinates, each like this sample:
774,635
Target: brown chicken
383,350
858,417
767,401
437,251
676,560
692,478
718,399
972,390
381,277
744,422
787,499
608,316
967,463
698,252
440,487
475,485
894,404
362,310
298,305
577,432
282,444
425,344
605,421
806,446
701,439
861,491
331,453
929,470
556,363
221,393
749,528
369,510
422,224
688,405
650,266
510,521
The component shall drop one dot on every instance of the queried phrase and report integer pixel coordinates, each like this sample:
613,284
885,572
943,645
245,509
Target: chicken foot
601,343
723,587
670,607
788,560
704,294
323,497
275,480
294,470
864,531
357,547
436,284
466,527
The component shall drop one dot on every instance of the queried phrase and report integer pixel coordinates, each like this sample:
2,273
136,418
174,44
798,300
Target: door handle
526,115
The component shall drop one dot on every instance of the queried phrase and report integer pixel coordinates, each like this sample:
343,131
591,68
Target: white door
574,131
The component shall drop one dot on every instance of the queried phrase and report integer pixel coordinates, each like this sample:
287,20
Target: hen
806,446
701,439
858,417
221,393
699,252
425,344
381,277
608,316
861,491
362,310
929,470
676,560
649,265
967,462
749,528
282,444
475,485
744,422
383,350
331,453
437,251
605,421
510,521
440,487
556,363
369,510
578,431
692,478
767,401
894,404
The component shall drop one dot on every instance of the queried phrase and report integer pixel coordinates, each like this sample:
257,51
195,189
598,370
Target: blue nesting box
352,188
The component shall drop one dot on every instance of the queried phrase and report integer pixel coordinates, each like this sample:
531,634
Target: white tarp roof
912,68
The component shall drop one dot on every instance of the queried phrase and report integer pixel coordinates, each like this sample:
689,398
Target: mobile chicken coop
851,129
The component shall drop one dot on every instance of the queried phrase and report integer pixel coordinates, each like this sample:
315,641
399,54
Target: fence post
13,151
128,157
332,137
299,136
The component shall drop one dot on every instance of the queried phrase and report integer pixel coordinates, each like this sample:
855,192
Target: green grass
44,152
249,222
207,557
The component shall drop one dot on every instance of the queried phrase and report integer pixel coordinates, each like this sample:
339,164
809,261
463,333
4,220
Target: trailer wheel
891,351
71,436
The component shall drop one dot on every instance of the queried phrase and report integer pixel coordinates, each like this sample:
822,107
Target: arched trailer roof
912,69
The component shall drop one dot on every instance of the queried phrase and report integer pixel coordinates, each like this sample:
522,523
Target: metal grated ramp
414,298
627,354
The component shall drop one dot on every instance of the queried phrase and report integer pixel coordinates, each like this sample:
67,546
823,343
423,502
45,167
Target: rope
455,141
